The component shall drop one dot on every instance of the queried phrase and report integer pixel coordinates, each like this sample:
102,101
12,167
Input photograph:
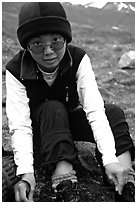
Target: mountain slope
99,19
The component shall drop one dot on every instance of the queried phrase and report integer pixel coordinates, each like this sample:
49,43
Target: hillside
92,17
105,35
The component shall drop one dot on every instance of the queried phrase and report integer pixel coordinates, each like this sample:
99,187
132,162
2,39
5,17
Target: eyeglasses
39,48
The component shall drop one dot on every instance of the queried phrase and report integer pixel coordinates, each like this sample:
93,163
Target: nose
48,50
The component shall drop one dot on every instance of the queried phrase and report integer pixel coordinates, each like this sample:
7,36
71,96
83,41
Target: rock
127,60
130,111
129,82
85,146
124,78
119,75
86,156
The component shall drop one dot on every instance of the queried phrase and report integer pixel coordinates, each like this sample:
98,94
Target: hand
117,174
24,189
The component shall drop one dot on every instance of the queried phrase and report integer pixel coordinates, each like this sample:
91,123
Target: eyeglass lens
58,45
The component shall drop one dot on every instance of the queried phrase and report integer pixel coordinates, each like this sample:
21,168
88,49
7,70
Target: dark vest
64,89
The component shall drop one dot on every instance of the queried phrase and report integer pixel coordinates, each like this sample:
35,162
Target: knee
114,111
55,106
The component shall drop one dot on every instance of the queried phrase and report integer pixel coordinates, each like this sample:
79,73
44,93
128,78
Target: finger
17,196
126,176
122,179
23,196
30,197
23,192
121,182
16,191
113,179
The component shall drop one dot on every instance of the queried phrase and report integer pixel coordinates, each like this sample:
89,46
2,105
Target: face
49,55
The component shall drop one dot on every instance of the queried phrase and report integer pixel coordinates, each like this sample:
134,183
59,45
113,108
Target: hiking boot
128,193
66,191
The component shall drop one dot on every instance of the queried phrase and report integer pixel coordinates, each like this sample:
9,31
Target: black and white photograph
68,101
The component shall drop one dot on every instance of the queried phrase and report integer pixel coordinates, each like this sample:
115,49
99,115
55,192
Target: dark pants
55,130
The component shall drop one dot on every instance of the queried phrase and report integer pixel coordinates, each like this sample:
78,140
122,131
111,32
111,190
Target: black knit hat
37,18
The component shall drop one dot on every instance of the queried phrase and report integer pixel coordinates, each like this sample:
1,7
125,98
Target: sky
83,2
99,2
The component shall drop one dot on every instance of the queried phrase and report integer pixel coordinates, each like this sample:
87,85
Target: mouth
50,59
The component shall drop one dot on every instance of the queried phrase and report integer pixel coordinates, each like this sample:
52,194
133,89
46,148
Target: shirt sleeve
93,105
18,114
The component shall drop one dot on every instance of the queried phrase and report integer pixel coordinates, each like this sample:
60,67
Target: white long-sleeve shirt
18,113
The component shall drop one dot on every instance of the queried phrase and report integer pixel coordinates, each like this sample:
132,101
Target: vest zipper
67,94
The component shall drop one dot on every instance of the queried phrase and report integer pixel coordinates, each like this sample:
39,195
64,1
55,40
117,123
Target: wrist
109,160
30,178
21,176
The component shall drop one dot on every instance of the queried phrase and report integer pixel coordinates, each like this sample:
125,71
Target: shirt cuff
109,160
24,169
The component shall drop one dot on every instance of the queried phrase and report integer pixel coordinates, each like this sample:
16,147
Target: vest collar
29,69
